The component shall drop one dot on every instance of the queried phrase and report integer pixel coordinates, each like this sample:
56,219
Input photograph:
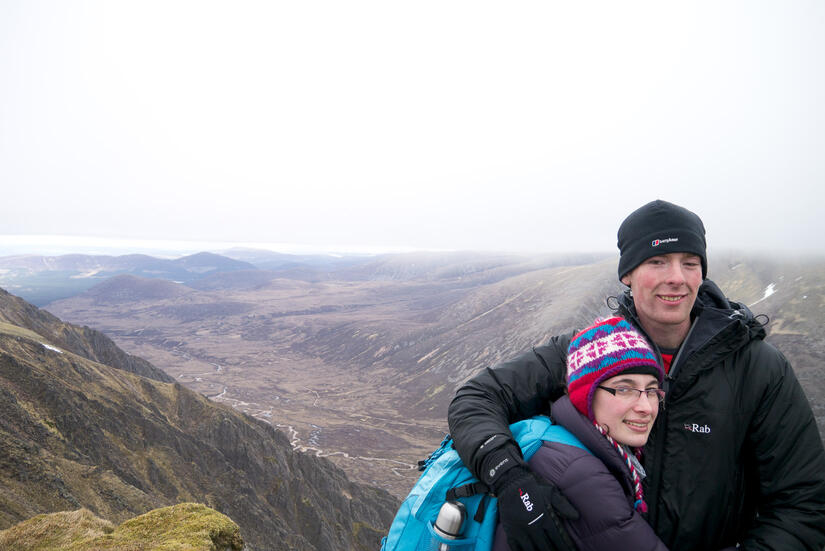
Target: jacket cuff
499,462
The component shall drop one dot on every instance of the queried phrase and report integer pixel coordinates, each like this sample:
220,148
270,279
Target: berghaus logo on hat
657,242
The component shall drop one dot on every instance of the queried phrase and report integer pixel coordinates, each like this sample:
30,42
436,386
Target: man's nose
675,273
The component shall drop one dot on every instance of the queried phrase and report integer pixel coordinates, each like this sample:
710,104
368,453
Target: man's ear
626,280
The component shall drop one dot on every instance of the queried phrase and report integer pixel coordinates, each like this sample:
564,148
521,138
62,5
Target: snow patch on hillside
769,290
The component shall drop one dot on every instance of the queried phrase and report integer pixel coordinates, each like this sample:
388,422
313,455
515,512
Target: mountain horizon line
56,245
61,245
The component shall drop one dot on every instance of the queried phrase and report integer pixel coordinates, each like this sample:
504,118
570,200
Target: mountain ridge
84,341
44,279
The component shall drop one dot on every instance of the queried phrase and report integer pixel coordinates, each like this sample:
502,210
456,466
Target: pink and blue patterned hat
603,350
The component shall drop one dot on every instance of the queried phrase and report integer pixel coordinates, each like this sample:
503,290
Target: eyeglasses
628,394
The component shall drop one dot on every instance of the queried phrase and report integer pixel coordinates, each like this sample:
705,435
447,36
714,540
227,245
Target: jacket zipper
661,420
675,365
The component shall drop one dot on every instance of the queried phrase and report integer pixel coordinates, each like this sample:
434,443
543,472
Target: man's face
664,290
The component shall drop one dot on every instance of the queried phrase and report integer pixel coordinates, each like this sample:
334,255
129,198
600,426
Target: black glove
530,508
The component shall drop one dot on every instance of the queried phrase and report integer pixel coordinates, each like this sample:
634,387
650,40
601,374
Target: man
734,458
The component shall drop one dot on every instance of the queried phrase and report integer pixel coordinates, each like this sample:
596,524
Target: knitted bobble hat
603,350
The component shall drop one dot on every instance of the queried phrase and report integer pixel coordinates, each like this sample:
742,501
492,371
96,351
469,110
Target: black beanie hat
658,228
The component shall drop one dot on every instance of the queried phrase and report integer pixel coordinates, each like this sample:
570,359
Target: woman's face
627,415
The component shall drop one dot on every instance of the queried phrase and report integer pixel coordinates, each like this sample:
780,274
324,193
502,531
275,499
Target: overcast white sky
520,126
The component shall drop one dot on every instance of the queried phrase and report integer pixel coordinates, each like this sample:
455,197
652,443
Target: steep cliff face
78,433
83,341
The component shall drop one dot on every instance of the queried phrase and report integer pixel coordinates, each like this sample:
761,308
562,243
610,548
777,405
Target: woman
613,397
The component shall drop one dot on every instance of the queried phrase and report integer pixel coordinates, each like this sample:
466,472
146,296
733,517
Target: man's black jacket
735,455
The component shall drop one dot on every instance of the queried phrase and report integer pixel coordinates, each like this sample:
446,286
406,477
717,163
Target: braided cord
640,504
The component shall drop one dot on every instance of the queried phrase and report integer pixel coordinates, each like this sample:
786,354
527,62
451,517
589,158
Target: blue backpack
446,478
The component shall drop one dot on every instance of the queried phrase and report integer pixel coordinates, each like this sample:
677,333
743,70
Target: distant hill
282,262
241,279
42,279
128,288
467,267
79,429
209,263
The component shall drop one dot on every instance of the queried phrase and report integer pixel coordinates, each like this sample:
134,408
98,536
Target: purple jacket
598,484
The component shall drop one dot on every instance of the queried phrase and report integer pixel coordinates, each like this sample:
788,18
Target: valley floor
324,409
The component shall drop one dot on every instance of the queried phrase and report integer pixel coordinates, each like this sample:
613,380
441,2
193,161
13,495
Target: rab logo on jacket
525,498
696,427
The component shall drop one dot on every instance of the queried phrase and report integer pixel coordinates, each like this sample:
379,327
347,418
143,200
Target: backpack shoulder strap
530,433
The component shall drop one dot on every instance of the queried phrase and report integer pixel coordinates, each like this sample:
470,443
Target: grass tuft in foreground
186,526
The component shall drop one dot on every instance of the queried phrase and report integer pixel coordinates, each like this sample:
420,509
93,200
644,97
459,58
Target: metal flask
449,523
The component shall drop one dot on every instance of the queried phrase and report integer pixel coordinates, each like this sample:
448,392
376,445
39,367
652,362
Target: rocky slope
76,432
83,341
